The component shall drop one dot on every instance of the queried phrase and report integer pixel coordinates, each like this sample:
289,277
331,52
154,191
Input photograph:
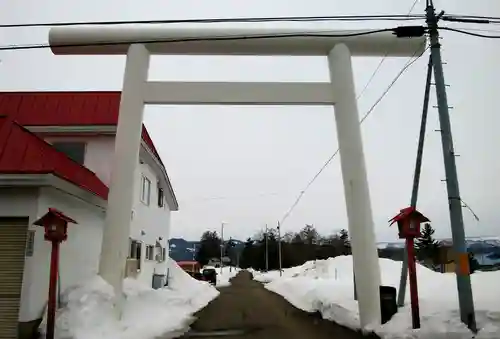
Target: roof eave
24,180
101,129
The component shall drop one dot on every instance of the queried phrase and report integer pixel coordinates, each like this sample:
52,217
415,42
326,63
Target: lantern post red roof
409,212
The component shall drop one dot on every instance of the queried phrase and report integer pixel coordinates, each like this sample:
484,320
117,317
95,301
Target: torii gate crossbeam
139,43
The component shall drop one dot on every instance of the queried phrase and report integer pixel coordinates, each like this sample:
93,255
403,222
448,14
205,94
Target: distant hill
181,250
474,244
486,250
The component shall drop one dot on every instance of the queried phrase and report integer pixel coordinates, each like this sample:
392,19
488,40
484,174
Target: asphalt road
246,310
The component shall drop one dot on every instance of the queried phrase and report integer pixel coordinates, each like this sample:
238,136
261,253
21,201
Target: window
161,196
135,251
145,190
74,150
150,252
158,252
30,243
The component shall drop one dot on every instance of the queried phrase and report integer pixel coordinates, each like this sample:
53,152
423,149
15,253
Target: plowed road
247,310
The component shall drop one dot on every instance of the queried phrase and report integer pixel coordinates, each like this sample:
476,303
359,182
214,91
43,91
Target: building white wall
22,202
99,155
154,221
149,223
79,254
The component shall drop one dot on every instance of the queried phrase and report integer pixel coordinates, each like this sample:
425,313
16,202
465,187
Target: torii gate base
137,92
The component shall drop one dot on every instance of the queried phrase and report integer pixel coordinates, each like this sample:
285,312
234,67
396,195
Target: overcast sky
246,165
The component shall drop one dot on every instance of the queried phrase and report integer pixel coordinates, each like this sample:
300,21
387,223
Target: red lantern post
56,231
409,220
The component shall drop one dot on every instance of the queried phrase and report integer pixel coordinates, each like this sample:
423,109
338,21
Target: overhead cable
377,69
467,32
223,20
325,34
410,62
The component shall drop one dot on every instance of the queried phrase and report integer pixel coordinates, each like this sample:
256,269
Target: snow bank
224,277
327,286
88,311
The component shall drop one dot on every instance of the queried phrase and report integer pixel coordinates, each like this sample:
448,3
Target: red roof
22,152
53,212
66,109
187,262
409,212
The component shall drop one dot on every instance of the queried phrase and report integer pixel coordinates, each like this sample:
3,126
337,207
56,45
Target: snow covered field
327,286
88,313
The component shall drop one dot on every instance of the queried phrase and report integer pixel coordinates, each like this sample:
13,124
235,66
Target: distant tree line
296,248
305,245
210,247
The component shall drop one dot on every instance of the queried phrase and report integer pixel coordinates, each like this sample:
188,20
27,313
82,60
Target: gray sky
259,158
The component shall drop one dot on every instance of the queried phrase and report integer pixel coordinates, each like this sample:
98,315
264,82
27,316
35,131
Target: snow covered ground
327,286
88,312
227,274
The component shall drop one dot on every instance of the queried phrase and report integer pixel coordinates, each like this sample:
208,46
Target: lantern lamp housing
408,221
55,224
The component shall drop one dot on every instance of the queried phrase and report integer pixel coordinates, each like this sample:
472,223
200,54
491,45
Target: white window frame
161,196
135,251
145,190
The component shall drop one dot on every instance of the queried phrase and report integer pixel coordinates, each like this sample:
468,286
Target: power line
377,69
479,30
231,38
470,210
235,38
224,20
467,32
473,16
474,19
218,198
410,62
400,17
467,21
215,38
413,7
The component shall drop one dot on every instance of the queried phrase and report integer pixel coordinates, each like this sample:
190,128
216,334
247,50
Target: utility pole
279,249
267,253
221,245
194,256
416,178
230,251
462,270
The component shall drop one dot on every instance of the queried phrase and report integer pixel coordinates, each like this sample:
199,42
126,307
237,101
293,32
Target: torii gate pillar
139,43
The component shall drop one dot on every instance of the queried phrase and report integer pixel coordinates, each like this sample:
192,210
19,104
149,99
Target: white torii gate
139,43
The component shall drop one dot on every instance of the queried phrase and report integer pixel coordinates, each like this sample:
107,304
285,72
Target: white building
55,151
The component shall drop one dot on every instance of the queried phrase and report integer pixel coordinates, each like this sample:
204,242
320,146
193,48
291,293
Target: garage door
12,252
